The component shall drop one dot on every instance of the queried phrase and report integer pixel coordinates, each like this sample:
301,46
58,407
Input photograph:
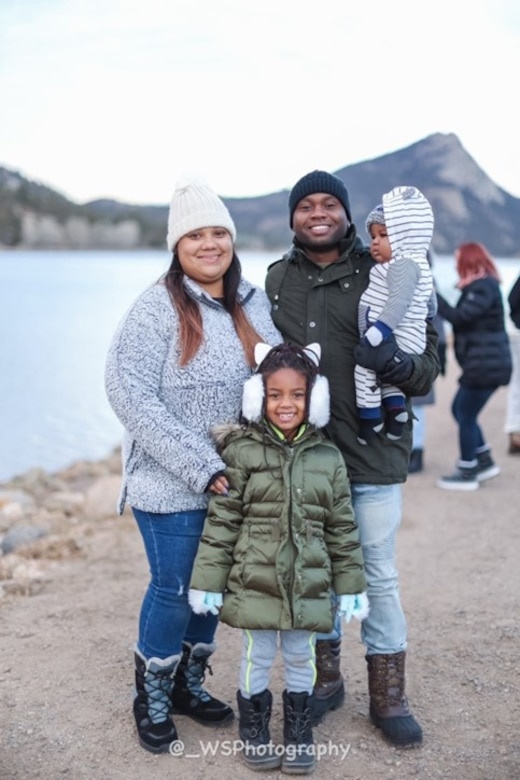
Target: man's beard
319,249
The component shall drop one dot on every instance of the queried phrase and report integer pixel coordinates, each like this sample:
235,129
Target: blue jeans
419,427
378,511
466,406
166,620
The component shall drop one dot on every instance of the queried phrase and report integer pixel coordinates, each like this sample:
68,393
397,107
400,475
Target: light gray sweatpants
258,654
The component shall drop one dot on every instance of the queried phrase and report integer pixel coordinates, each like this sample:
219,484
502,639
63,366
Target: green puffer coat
284,537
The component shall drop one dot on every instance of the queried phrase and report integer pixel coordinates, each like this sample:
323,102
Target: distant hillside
467,205
33,216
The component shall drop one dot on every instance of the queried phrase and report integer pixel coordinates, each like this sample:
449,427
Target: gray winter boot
465,477
188,695
153,685
486,466
253,728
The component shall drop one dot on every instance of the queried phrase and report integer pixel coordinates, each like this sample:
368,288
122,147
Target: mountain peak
467,204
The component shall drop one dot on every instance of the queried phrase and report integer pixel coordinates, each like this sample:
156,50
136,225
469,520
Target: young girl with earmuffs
280,552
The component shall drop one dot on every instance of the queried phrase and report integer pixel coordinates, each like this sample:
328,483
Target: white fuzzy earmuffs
253,392
319,406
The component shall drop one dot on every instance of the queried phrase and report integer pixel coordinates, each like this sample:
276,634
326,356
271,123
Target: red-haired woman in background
482,350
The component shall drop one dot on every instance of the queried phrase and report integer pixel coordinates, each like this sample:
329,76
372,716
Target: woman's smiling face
205,255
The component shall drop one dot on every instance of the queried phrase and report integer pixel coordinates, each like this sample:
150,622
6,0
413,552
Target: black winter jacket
480,339
514,303
310,303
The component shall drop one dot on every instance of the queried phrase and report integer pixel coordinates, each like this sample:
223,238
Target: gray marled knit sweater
168,410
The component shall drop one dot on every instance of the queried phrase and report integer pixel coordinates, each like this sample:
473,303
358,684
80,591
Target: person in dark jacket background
314,291
512,426
482,350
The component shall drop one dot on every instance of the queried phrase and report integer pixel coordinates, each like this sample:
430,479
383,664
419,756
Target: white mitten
353,605
374,336
203,601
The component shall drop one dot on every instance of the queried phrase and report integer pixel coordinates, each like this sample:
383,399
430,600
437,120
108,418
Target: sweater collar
244,292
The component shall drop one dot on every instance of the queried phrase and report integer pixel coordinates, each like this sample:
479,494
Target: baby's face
380,248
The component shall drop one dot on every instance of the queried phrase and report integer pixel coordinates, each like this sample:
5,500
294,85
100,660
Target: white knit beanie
194,205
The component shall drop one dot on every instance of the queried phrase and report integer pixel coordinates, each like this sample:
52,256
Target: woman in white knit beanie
175,368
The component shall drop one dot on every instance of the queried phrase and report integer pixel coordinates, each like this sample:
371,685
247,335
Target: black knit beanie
318,181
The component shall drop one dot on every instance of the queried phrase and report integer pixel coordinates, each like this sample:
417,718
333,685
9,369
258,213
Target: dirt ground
66,649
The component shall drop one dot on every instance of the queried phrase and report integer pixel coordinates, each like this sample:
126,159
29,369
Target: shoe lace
195,673
260,724
158,686
298,723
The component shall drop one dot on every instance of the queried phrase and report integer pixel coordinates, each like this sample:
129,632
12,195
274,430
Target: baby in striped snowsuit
398,300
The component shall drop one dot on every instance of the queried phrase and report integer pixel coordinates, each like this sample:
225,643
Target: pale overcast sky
120,99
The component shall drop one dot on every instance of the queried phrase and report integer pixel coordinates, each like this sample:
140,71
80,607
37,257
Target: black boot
329,688
416,461
253,728
153,684
188,695
389,709
300,755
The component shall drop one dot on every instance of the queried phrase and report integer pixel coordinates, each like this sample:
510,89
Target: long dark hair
191,332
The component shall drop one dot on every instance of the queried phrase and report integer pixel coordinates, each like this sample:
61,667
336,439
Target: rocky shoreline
45,517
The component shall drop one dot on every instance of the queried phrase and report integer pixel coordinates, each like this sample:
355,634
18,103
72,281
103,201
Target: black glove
390,363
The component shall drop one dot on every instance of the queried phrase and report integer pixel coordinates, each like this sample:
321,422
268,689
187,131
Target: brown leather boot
329,689
389,709
514,444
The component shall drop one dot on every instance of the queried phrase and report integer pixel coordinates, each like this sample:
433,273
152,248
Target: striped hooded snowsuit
400,293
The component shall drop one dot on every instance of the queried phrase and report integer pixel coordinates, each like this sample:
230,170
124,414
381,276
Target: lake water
58,312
